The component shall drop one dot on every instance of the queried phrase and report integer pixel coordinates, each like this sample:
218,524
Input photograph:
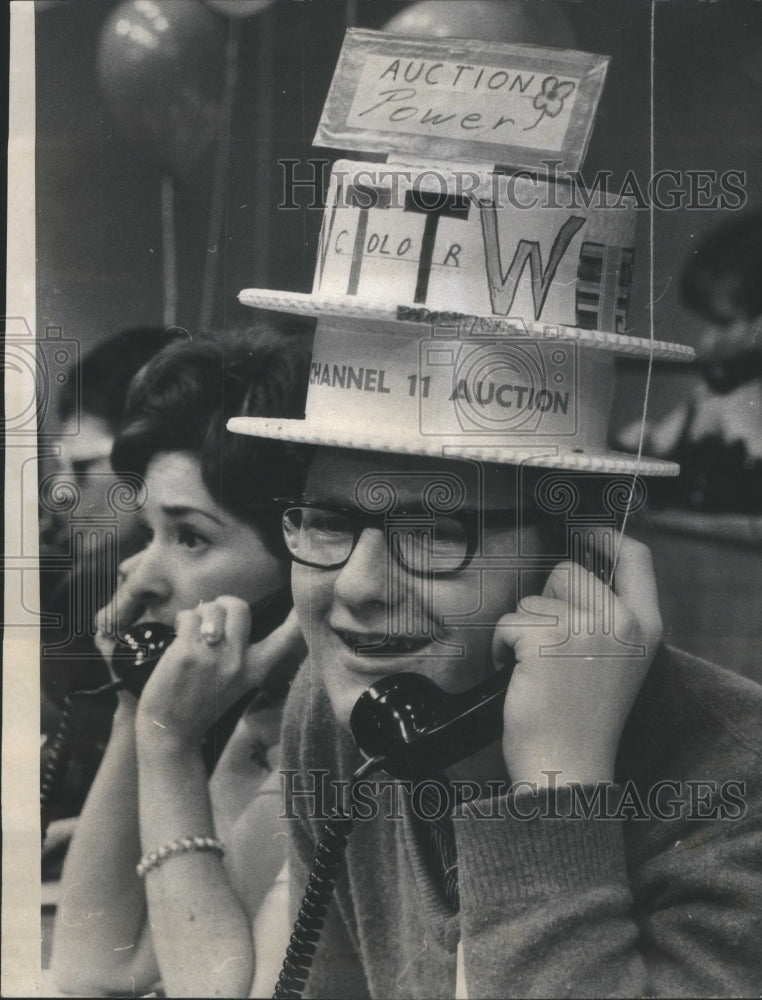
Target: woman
209,531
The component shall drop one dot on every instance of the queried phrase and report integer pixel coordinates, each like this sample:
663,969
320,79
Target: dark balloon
161,70
490,20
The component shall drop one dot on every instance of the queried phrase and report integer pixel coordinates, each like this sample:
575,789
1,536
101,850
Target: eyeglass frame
469,517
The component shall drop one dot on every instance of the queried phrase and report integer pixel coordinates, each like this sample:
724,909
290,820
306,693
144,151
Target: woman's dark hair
182,399
727,264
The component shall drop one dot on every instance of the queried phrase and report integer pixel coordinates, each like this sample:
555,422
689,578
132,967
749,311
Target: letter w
502,286
431,117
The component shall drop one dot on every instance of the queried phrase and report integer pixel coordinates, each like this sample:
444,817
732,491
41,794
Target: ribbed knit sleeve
548,908
544,905
558,900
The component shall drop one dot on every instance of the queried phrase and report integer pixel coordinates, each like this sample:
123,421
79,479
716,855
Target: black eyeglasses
324,536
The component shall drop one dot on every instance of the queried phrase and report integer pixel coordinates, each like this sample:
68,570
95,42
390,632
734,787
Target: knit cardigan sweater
629,906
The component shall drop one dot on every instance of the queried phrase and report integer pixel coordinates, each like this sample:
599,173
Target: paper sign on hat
465,311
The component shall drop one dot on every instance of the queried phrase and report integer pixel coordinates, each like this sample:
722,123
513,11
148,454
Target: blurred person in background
209,530
722,440
90,408
716,434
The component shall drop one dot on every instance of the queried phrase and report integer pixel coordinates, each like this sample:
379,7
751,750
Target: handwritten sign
474,243
455,99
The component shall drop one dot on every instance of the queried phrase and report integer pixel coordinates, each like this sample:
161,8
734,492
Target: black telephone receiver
142,646
406,725
417,728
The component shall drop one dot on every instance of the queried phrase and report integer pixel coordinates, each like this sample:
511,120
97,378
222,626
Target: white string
651,167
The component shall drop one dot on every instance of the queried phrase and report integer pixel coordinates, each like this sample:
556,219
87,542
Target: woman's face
194,549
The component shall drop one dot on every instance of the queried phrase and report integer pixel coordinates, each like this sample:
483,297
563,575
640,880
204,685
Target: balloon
160,68
491,20
239,8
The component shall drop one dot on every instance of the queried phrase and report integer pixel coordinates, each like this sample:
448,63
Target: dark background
104,149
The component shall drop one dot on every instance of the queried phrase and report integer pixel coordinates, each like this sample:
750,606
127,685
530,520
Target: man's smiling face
437,625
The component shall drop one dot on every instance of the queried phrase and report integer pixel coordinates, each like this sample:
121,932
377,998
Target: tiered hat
464,310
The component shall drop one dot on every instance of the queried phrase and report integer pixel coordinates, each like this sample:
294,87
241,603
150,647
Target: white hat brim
303,304
327,434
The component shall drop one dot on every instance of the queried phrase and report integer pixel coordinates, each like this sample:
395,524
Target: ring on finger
210,633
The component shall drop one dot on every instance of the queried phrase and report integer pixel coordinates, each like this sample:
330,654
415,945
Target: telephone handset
134,658
416,727
143,645
138,651
406,725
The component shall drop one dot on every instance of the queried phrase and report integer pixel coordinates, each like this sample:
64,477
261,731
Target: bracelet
179,846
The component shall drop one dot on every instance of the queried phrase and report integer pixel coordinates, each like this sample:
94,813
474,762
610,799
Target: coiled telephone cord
309,922
312,913
60,748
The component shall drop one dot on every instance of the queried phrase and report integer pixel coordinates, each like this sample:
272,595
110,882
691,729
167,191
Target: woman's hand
116,616
582,653
273,662
210,666
201,674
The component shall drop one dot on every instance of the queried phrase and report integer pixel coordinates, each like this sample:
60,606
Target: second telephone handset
406,725
410,726
416,727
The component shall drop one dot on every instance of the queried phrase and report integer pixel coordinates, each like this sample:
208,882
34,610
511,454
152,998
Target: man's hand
582,653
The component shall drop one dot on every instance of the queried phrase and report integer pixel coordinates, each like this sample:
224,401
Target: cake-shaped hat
468,305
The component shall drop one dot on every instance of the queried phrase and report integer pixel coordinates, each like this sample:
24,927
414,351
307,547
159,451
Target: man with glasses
587,849
408,558
590,829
